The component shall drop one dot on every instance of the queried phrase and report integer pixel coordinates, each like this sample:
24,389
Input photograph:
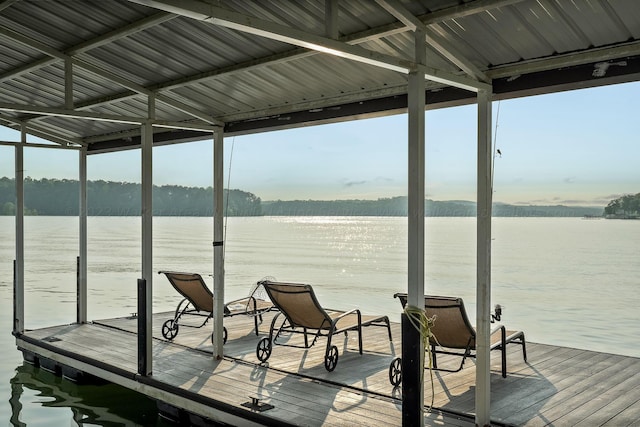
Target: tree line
108,198
398,206
59,197
627,206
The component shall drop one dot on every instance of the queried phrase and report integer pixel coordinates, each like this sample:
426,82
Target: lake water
564,281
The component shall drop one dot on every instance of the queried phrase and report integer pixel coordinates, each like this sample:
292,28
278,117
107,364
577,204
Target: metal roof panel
123,51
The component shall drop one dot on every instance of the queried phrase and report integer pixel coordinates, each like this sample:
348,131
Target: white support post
218,244
18,291
483,274
413,415
82,244
416,185
147,235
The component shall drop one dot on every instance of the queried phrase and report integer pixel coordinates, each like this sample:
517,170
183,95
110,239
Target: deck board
558,385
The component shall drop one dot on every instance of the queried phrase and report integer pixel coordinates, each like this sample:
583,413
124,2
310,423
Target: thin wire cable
495,138
226,210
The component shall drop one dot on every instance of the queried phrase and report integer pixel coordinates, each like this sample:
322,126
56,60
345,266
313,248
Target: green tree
625,206
8,208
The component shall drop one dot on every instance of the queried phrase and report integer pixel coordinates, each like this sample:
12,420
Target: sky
580,147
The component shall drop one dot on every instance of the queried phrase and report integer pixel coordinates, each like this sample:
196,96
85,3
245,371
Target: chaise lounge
198,301
453,334
303,314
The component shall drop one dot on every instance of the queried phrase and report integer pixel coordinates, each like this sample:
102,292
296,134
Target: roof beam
271,30
60,112
122,32
445,48
63,112
40,131
565,60
402,14
111,36
450,52
466,9
454,12
5,4
67,55
259,27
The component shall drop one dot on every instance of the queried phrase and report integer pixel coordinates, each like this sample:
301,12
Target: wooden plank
577,402
557,384
609,405
280,389
569,383
529,390
302,410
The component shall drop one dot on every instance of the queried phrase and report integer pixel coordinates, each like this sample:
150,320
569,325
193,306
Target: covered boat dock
96,77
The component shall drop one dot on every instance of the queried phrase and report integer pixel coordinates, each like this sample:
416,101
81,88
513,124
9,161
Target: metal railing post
412,372
143,313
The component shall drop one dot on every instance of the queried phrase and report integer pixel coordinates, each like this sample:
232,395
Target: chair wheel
263,351
169,329
224,336
331,358
395,372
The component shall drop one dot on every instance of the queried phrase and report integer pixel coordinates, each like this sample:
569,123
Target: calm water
564,281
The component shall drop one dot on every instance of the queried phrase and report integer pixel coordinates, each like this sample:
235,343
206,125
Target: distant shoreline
53,197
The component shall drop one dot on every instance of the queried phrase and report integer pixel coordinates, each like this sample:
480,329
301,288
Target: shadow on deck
560,386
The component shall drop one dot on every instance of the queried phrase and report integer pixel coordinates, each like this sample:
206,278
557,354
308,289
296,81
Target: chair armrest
497,328
346,313
335,320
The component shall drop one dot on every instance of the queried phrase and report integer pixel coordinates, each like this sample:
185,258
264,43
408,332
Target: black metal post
78,289
15,304
412,396
142,328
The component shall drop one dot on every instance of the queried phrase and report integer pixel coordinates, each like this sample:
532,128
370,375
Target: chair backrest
451,328
192,287
298,303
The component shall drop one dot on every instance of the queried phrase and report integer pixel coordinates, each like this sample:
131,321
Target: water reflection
39,397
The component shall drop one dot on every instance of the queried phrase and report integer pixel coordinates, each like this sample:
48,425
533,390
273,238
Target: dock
556,386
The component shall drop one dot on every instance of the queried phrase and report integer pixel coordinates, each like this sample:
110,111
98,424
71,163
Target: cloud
569,180
348,184
377,180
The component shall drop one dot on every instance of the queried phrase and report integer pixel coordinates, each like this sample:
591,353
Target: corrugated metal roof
205,73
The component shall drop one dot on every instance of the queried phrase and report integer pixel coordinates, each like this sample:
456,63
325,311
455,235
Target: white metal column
483,273
82,243
218,244
416,189
147,231
416,185
18,321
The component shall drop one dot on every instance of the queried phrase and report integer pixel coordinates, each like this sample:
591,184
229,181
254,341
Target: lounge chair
303,314
198,301
453,334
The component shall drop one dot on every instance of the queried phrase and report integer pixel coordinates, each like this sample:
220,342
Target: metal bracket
256,405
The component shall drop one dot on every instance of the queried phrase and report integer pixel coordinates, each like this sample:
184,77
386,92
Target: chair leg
524,348
255,321
329,338
388,328
503,351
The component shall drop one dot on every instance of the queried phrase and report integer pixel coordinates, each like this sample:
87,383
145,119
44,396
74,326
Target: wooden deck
558,386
